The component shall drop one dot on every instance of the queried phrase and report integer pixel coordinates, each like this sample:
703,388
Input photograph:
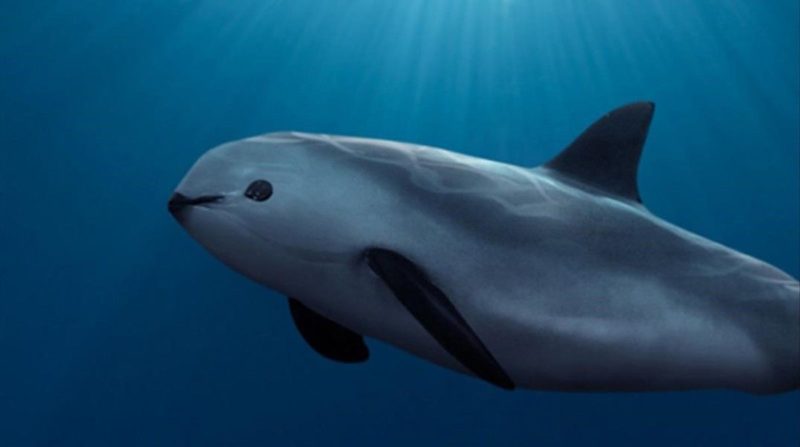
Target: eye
259,190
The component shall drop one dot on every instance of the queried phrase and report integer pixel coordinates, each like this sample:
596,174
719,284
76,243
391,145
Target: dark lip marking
179,201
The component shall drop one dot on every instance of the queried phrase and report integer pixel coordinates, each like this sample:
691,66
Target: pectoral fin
328,338
431,307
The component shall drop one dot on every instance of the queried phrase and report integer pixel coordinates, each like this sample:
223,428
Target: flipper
431,307
328,338
606,155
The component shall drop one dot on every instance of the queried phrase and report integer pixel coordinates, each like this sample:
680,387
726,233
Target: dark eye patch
259,190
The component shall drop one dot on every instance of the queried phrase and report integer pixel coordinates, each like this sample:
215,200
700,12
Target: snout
178,203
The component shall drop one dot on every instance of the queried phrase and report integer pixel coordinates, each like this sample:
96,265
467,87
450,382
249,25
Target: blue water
117,329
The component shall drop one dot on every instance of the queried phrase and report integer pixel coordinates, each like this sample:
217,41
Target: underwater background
117,329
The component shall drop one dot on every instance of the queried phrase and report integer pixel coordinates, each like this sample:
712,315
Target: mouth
178,203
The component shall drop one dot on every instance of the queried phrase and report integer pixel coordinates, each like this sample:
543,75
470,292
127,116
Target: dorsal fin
606,155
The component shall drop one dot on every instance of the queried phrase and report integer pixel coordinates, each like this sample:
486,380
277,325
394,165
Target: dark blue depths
117,329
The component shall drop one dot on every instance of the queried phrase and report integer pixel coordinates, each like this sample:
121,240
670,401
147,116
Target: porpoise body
555,277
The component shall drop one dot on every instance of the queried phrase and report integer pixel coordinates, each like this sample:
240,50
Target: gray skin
570,288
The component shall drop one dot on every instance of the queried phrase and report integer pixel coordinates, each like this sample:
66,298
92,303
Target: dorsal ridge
606,155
